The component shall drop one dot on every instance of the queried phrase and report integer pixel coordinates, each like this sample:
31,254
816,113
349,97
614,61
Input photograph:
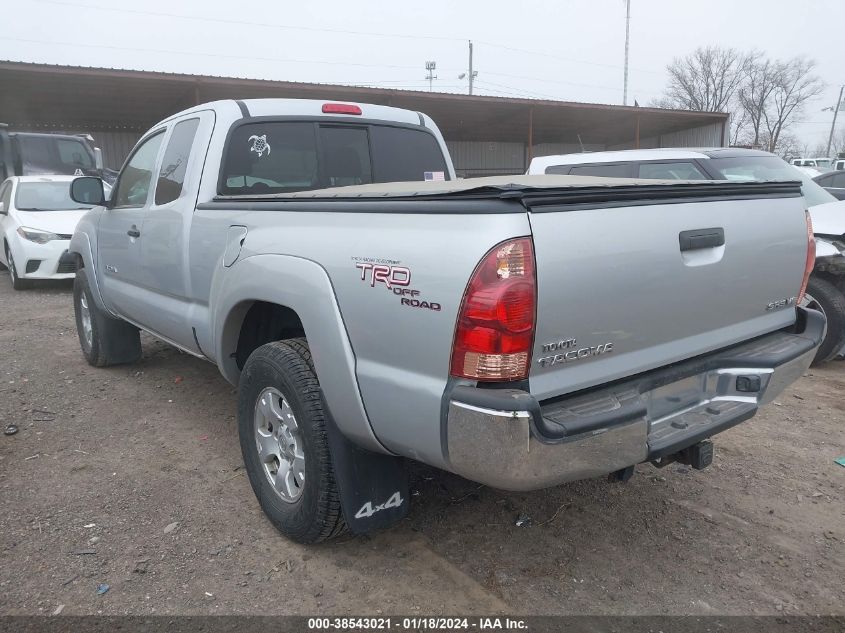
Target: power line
286,60
564,59
229,22
554,81
214,55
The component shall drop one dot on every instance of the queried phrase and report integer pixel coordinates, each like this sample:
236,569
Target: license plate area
675,397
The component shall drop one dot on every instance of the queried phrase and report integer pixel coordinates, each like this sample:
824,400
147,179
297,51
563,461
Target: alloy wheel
279,444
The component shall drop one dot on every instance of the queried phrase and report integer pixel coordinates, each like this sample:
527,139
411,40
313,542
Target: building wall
705,136
486,158
491,158
116,146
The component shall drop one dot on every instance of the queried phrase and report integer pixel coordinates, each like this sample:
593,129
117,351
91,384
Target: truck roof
307,108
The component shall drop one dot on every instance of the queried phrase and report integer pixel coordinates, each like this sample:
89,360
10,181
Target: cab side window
602,170
171,177
134,182
670,171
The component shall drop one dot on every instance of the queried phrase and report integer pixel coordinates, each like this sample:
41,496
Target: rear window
606,171
286,156
401,154
345,156
742,168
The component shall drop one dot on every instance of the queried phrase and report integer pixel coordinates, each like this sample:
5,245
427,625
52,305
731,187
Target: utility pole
627,39
833,125
430,66
472,74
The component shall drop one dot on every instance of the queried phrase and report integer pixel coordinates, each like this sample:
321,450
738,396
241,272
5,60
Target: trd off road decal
395,278
259,144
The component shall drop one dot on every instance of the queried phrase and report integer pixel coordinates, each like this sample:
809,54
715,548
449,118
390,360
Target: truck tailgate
626,286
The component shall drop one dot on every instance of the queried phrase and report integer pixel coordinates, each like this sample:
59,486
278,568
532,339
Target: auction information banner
423,624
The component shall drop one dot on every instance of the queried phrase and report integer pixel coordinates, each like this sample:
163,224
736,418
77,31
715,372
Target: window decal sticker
259,145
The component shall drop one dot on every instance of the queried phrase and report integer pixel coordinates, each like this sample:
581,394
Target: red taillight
811,256
495,328
340,108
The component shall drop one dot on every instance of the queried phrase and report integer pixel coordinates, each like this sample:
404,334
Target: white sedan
37,219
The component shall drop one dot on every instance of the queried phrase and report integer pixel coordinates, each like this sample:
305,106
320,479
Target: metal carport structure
486,135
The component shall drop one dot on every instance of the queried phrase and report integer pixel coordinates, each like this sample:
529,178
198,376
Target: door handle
701,238
133,232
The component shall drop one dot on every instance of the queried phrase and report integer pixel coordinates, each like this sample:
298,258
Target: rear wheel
17,282
823,296
282,428
104,339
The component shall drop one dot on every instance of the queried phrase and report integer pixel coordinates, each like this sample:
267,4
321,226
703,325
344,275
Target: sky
565,49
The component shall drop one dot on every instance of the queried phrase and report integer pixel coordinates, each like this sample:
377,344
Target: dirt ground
108,460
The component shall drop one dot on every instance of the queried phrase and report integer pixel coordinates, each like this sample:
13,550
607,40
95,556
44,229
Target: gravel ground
131,477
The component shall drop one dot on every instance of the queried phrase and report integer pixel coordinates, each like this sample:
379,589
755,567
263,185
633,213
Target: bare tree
788,145
740,122
706,80
796,85
765,97
754,95
820,150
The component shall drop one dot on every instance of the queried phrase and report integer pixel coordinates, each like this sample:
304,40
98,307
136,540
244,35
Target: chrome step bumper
506,439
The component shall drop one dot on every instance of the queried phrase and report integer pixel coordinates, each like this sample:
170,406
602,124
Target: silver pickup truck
520,332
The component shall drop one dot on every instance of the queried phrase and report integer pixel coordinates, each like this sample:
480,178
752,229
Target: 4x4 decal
368,509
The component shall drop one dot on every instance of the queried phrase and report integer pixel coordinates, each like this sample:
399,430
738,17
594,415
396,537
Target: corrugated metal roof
116,98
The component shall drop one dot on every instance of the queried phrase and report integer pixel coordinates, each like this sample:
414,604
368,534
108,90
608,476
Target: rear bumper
509,440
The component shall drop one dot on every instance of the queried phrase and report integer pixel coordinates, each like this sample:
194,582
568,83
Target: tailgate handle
701,238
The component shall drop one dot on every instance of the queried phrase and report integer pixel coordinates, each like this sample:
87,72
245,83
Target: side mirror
87,190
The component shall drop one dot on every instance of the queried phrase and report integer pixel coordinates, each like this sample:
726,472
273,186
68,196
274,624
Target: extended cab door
119,231
164,253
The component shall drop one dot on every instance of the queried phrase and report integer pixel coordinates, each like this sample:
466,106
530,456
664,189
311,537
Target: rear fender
303,286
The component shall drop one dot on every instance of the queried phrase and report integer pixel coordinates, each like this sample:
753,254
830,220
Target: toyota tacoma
372,308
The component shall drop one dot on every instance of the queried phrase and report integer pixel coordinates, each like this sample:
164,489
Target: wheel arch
275,297
80,245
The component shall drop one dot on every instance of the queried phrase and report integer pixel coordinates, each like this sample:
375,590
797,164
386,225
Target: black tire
830,300
17,282
112,341
286,366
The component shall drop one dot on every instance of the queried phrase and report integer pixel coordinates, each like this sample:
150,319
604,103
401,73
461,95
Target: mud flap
373,487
